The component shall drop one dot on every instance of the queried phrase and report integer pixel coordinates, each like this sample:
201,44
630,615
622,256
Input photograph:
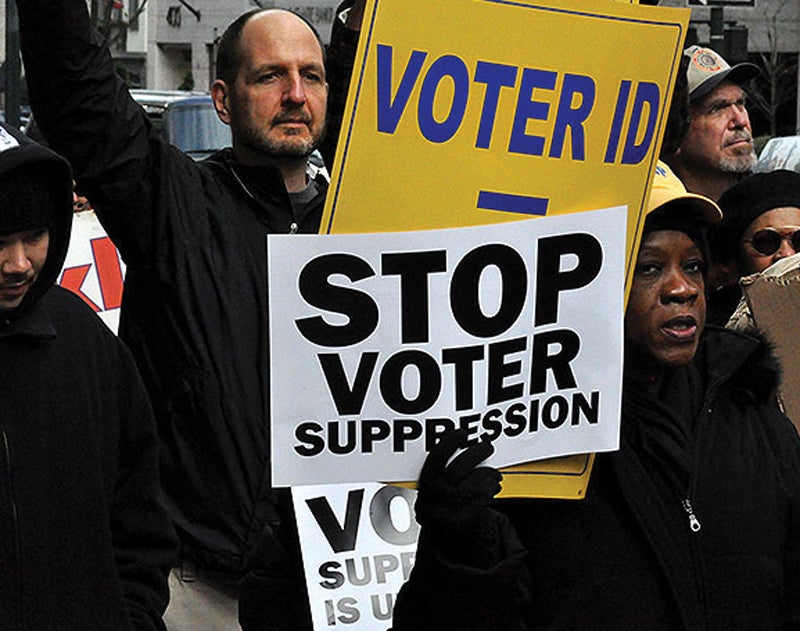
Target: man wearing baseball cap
717,149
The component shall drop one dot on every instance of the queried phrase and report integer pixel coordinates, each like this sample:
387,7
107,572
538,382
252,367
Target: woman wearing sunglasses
761,225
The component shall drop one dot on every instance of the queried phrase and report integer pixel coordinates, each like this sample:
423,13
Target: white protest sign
379,342
93,269
358,544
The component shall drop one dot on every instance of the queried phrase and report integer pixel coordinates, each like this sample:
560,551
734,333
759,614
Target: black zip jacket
694,524
84,543
194,311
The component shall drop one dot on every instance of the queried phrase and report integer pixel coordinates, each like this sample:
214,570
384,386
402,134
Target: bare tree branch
779,71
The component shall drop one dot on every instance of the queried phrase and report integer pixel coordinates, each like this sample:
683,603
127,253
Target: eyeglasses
767,241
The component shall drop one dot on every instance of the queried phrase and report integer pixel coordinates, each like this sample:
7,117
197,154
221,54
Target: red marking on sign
73,278
109,272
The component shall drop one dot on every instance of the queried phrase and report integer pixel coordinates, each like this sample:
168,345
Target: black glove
453,501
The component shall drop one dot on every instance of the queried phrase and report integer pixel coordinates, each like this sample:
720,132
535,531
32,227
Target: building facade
183,34
167,44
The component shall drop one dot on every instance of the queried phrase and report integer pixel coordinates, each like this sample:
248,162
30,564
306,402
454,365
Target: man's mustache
291,117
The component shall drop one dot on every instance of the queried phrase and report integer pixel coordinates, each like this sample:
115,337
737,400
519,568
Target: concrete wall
172,25
176,41
3,29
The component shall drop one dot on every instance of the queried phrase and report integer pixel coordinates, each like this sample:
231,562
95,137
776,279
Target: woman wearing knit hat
761,226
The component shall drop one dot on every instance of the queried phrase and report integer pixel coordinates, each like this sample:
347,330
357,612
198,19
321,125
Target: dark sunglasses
768,240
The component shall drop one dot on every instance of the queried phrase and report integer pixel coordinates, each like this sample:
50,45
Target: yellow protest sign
468,112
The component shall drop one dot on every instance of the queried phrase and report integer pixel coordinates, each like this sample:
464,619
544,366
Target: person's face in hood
22,256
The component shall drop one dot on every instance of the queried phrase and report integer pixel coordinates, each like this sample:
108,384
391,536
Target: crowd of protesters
693,524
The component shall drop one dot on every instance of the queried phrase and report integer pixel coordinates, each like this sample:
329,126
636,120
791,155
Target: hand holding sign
453,500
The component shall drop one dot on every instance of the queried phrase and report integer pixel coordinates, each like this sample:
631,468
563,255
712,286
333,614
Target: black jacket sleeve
442,596
86,113
790,463
145,546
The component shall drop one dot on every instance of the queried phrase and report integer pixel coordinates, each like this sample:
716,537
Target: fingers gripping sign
458,480
454,497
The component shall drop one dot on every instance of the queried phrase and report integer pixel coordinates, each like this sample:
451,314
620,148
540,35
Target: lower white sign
358,544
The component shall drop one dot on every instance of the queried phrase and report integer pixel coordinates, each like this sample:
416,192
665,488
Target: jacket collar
33,323
745,362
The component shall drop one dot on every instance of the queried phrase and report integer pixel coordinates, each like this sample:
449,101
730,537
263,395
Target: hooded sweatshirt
84,543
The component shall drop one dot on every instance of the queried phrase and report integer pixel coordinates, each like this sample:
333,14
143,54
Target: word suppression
342,436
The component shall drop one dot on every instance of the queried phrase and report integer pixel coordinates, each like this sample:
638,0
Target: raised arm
87,114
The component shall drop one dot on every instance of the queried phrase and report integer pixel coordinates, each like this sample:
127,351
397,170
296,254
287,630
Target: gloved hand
453,501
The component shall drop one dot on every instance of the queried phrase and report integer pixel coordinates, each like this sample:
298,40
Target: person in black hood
85,544
693,524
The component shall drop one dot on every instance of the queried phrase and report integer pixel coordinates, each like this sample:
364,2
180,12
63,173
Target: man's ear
220,94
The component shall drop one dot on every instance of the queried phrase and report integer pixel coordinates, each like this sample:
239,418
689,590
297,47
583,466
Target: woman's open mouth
680,328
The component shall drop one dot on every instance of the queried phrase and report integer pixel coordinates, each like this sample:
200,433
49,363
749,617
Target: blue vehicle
187,119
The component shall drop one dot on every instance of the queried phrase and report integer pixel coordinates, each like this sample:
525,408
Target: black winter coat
694,524
194,310
84,543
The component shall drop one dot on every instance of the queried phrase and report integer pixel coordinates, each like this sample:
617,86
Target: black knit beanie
747,200
25,200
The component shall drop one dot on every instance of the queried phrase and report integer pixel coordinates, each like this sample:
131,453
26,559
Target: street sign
721,3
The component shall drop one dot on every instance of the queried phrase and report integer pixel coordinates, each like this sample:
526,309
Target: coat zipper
686,504
694,523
